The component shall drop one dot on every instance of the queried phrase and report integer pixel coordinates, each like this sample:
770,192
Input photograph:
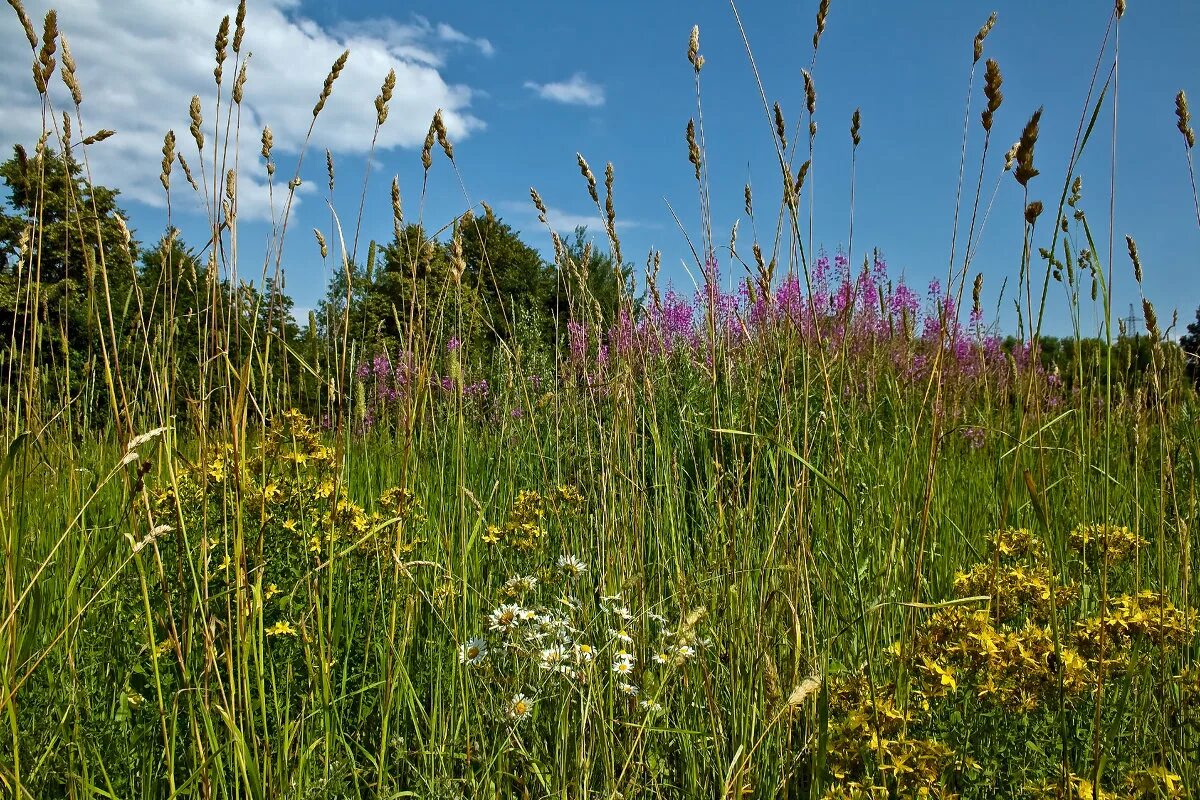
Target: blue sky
527,85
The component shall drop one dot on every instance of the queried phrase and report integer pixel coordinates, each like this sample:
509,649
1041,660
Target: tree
1190,342
66,270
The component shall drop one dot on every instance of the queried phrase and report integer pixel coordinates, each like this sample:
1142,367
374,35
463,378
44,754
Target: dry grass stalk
219,46
327,88
1135,258
1184,118
168,160
385,97
439,126
68,73
1024,154
26,23
991,90
822,16
268,141
693,148
586,171
694,57
187,171
979,37
197,121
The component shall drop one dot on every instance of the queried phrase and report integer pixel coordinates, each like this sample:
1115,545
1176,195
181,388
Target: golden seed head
1024,154
99,136
802,174
197,122
239,26
230,184
694,57
66,135
1033,211
1183,117
26,23
983,32
780,126
68,72
397,208
976,291
1011,156
439,126
586,171
538,204
458,263
1133,256
810,92
49,45
609,209
991,90
187,171
321,243
385,97
239,85
822,15
427,148
749,202
268,141
855,126
1151,319
693,148
168,159
1120,8
219,45
327,88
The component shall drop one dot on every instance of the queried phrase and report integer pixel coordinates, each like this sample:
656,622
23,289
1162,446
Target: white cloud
577,90
139,69
566,221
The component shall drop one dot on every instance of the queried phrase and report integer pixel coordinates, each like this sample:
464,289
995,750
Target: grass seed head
855,127
427,148
694,57
822,16
586,171
693,148
321,243
168,160
327,88
1033,211
1024,154
98,136
197,122
439,126
68,73
1184,118
780,126
991,90
385,97
219,46
239,26
239,84
268,141
810,92
749,202
187,171
397,208
26,23
538,204
979,37
1133,257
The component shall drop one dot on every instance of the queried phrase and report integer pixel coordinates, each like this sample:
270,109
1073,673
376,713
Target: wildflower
684,651
163,647
289,525
651,706
585,653
270,591
553,657
622,666
628,689
473,652
281,628
505,618
622,612
621,636
571,566
518,585
663,657
519,707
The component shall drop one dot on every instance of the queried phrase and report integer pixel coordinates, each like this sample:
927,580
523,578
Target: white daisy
519,707
473,652
621,636
650,706
553,657
571,566
628,689
505,618
585,653
622,667
663,657
684,651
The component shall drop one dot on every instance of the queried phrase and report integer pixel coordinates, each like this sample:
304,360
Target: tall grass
776,510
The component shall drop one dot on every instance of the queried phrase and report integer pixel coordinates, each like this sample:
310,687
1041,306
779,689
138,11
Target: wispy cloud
566,221
576,90
140,68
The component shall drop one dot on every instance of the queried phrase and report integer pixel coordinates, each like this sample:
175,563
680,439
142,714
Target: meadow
820,535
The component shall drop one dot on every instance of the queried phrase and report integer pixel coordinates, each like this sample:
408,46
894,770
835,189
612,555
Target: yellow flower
281,628
289,525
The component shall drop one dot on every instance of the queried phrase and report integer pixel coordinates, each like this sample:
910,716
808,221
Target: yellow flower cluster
1148,616
525,527
1017,543
1015,590
1095,542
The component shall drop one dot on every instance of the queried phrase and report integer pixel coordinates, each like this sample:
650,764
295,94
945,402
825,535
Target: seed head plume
197,122
749,202
427,148
397,208
168,159
239,26
586,172
976,293
822,15
1033,211
979,37
855,126
187,171
66,135
321,243
219,45
99,136
1183,117
780,126
1024,154
810,92
991,90
26,23
385,97
46,56
327,89
1151,319
693,148
802,174
239,84
458,262
329,167
1120,8
1134,257
694,57
268,141
439,127
538,204
68,73
610,211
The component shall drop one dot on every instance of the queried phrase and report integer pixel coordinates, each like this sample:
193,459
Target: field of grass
814,540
